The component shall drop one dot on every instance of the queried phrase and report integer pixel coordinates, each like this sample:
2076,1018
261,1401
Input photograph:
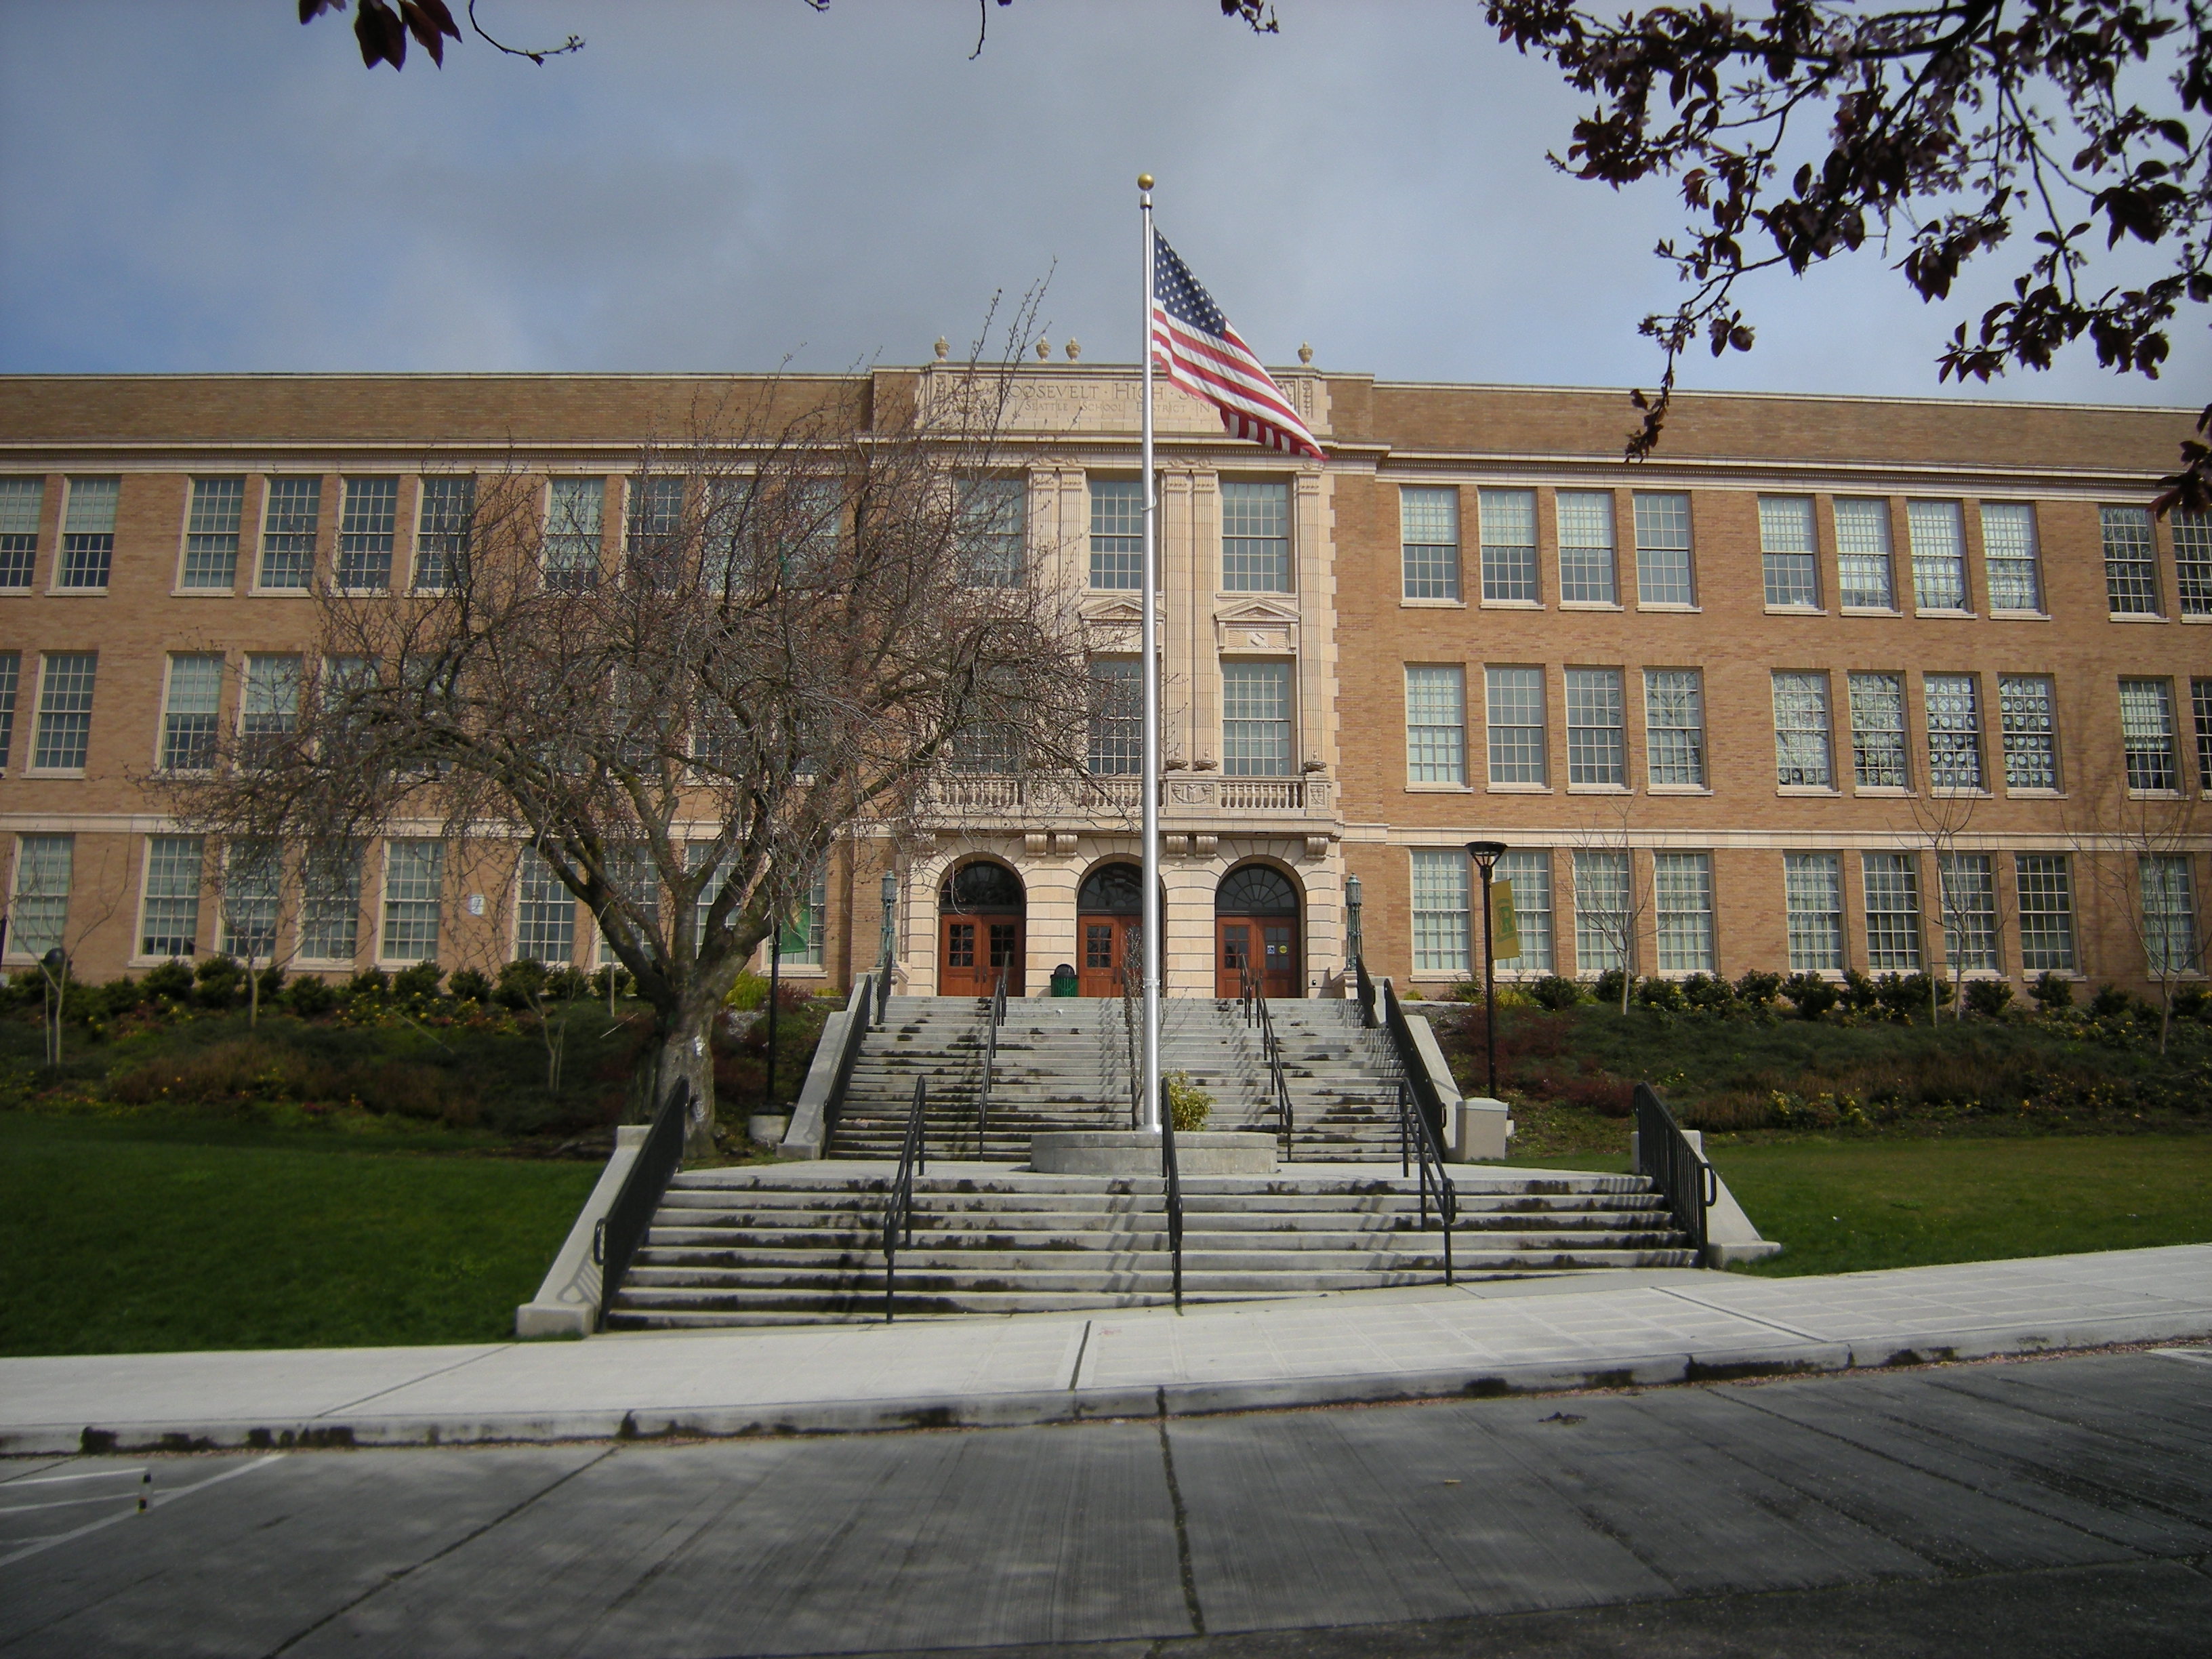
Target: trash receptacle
1063,979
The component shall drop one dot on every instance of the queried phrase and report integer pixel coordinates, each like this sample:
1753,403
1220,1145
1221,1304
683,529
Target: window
414,880
1255,538
38,914
1586,569
1594,749
807,929
1662,550
2192,562
2010,556
88,532
1787,551
1954,731
1682,902
21,502
1529,876
2146,729
369,521
1255,720
1674,726
1892,912
696,855
650,546
1117,533
995,532
1117,716
1863,577
441,533
2200,697
2130,561
270,710
1441,882
329,906
290,524
545,913
1600,911
188,715
1938,555
1436,726
1812,888
253,874
1802,758
1509,545
1515,697
211,533
170,925
1878,757
65,711
11,668
1969,886
2046,913
2029,713
571,533
1428,533
2169,896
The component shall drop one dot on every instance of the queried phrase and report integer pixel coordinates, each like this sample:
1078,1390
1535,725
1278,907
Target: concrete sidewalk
1501,1336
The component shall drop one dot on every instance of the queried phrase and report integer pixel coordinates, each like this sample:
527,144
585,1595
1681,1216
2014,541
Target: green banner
1504,926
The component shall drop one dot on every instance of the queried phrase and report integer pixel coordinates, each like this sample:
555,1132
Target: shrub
219,980
1811,995
567,983
372,983
309,997
470,985
1609,986
2052,991
1188,1105
419,980
2111,1002
747,992
1988,997
519,980
622,982
1705,991
1860,994
1758,988
118,996
1556,993
171,979
2192,1002
1662,993
273,982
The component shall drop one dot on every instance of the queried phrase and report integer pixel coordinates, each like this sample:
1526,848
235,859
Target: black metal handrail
1411,1066
1252,994
1366,988
1418,1145
997,1016
1678,1169
1171,1189
899,1214
615,1241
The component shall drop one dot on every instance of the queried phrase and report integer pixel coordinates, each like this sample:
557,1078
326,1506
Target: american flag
1195,348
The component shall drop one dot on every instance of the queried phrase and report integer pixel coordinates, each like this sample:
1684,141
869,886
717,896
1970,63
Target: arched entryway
981,910
1109,920
1255,925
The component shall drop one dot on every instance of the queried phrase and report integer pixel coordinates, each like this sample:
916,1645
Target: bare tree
1942,822
798,630
79,922
1610,873
2140,846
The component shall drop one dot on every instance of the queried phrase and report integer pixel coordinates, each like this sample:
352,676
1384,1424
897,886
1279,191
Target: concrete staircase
797,1245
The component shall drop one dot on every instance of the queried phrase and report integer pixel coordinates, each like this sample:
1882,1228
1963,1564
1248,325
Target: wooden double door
1267,944
973,951
1110,928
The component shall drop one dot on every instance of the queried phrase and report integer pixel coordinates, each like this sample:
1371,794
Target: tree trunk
685,1052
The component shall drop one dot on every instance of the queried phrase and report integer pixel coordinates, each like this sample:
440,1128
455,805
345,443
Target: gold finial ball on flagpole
1144,181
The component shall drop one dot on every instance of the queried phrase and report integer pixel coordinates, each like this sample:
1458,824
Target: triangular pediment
1114,611
1269,613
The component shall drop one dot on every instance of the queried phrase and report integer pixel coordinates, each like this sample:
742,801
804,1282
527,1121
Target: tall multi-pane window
1663,573
1255,720
1878,755
64,732
1674,726
1440,911
1255,538
21,502
1682,905
188,714
1514,702
994,531
573,520
1892,912
1967,882
88,532
1954,731
1787,551
2200,698
1595,751
2029,713
2169,899
441,531
211,528
2010,556
253,880
169,922
696,856
368,524
1428,540
414,885
1601,911
1529,874
290,520
1436,724
330,901
2130,561
2146,729
652,527
545,913
1803,757
2192,562
11,669
1117,716
269,707
1509,545
2046,912
1813,892
1117,533
629,871
38,915
1938,555
806,930
1865,580
1586,564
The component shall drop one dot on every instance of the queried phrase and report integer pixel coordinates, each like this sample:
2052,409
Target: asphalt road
2027,1508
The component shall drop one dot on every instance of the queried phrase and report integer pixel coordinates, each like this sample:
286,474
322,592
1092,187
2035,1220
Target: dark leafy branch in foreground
383,32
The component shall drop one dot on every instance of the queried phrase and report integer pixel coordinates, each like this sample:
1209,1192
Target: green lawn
143,1234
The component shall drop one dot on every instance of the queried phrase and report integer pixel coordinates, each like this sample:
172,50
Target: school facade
1830,683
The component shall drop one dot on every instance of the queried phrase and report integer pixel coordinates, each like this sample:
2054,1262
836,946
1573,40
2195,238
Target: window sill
1439,789
1538,605
203,593
1517,789
77,592
2196,619
1588,604
2133,795
1431,605
1670,606
2020,616
1808,790
53,772
1678,789
18,593
2034,794
1599,789
1944,614
2134,617
280,592
1868,611
1794,611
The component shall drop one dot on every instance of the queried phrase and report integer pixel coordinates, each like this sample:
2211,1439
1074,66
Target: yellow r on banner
1504,926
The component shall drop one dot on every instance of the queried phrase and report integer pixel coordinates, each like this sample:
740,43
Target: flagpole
1150,1108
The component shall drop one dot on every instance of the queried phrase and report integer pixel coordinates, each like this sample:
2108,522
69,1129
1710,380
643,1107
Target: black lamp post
1353,945
1486,855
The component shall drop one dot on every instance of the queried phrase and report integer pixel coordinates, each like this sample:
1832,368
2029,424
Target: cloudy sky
728,183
